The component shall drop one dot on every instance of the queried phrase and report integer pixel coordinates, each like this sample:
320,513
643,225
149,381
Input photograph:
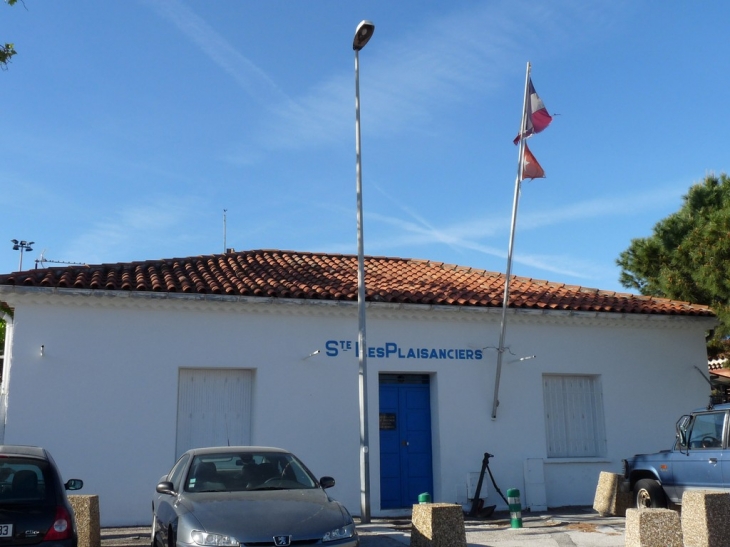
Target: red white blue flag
537,117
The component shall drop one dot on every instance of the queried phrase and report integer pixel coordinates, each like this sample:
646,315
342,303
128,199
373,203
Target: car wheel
648,494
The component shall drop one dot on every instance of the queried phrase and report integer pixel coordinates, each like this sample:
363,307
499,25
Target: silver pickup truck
699,459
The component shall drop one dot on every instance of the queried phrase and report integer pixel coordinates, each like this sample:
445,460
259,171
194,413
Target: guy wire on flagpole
505,299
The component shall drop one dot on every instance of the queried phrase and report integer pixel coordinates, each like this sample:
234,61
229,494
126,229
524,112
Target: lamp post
363,33
21,246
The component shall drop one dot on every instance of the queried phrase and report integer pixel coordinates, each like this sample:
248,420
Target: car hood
260,515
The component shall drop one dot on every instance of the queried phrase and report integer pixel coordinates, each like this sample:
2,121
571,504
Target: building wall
103,397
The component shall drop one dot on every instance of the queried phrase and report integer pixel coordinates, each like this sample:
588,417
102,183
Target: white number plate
6,530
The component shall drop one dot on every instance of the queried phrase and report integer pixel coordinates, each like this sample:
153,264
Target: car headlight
339,533
204,538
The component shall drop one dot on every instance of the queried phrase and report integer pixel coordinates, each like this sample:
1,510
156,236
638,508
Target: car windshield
232,472
25,481
706,430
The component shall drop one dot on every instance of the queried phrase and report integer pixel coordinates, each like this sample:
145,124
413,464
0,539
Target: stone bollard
612,495
705,515
653,528
438,525
86,513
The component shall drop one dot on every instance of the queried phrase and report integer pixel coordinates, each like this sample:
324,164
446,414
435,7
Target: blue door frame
405,439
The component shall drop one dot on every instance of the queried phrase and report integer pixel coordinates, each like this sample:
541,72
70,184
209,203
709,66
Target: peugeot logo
282,541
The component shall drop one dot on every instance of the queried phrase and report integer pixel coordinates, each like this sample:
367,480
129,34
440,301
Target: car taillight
61,527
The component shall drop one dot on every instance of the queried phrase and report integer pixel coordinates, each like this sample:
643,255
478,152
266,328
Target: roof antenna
42,260
711,405
224,230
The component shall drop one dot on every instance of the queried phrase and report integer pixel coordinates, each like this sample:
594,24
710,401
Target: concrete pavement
568,527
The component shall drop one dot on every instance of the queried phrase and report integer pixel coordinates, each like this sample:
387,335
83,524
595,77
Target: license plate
6,530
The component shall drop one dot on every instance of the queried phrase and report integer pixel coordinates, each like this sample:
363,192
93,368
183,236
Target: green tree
8,49
687,257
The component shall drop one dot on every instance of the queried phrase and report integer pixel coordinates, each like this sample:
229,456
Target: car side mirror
682,436
681,427
166,487
74,484
326,482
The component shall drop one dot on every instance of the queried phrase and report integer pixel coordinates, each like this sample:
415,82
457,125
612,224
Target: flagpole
515,203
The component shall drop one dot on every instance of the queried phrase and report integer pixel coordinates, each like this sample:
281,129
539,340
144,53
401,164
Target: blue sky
130,126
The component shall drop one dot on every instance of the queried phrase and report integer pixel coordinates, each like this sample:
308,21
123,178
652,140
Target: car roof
22,450
722,406
235,450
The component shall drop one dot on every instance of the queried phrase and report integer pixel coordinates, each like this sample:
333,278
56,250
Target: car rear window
25,480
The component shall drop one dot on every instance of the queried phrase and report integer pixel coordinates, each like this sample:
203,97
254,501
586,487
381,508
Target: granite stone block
653,528
612,496
438,525
86,512
705,517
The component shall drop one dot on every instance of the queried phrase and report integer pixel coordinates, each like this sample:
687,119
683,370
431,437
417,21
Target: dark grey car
231,496
34,509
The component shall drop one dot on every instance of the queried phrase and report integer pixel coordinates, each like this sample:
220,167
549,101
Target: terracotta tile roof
319,276
716,367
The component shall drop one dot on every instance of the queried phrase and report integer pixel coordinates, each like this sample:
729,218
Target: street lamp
21,246
363,33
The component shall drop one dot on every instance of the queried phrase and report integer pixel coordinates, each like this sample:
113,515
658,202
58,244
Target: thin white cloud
444,60
250,77
413,235
649,200
464,52
138,229
469,236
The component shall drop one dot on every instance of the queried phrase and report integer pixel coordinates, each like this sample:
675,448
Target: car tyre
648,494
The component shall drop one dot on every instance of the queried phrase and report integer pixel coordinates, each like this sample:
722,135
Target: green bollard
424,498
515,507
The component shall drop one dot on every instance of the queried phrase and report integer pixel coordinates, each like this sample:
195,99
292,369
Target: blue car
699,459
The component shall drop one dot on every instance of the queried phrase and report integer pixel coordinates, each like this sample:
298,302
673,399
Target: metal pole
361,339
505,302
20,265
505,298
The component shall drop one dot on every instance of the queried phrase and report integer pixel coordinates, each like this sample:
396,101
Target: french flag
537,115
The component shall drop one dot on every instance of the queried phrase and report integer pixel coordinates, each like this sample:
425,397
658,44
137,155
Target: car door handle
713,461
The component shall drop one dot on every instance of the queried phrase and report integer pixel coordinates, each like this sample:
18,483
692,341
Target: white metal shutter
213,408
574,419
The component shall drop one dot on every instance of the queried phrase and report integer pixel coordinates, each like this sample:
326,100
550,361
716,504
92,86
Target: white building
119,368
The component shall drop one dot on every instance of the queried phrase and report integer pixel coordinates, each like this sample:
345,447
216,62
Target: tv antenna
42,260
224,231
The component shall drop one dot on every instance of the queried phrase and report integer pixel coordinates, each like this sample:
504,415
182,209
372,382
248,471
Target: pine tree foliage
687,257
7,50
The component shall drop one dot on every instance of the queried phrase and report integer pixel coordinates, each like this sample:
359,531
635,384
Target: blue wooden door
405,440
